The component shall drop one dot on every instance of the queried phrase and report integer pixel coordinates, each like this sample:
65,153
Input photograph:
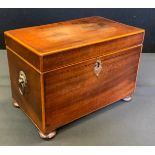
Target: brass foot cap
15,104
127,99
47,136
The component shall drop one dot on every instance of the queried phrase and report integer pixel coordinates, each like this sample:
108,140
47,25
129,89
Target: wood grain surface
59,59
74,56
51,38
75,91
23,52
30,102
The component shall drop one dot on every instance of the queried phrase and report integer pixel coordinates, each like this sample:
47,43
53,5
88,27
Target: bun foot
127,99
15,104
47,136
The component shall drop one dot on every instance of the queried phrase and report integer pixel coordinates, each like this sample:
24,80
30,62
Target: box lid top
53,38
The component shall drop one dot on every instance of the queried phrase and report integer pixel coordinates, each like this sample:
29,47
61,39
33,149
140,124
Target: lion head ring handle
22,81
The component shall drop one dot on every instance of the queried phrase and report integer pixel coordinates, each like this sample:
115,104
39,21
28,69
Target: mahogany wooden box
63,71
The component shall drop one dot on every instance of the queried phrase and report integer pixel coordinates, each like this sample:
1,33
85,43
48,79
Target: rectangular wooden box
63,71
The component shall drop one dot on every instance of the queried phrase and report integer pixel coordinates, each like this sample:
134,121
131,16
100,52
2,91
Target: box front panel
28,96
77,90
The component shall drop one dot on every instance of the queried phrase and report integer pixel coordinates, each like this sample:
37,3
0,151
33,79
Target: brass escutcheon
98,67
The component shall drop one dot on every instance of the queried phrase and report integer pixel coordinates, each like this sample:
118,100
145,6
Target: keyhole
98,65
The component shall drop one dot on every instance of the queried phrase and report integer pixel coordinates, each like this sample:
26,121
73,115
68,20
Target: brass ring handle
22,81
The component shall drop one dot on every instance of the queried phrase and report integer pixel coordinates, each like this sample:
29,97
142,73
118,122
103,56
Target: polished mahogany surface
59,61
51,38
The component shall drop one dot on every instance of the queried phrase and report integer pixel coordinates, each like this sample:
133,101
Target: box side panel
75,91
70,57
22,51
30,101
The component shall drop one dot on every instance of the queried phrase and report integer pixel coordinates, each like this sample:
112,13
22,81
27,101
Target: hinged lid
48,41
